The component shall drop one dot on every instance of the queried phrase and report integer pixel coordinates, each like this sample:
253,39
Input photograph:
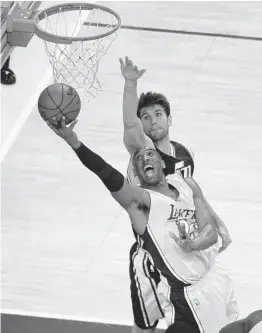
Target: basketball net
77,64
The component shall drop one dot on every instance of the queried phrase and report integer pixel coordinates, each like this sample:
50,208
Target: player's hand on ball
65,132
129,70
225,237
184,243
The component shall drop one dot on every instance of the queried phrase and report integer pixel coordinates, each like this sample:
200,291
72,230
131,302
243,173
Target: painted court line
105,321
69,317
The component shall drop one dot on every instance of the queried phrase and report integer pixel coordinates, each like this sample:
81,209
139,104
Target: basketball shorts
205,307
144,279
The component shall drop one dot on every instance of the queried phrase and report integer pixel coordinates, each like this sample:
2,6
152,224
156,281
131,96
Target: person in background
7,75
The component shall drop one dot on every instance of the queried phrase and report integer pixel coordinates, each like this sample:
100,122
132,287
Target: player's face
149,166
155,122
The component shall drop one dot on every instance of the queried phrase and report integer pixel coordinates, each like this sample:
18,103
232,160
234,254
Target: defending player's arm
206,238
205,220
134,136
207,230
221,229
218,224
130,197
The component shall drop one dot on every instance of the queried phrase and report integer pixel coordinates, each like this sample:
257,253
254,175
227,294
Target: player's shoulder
181,150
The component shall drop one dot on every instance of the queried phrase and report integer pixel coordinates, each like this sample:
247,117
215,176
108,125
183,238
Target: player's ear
169,120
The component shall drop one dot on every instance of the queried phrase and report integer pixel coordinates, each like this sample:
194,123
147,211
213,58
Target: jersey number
185,171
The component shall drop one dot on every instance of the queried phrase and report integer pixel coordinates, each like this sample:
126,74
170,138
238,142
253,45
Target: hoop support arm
20,25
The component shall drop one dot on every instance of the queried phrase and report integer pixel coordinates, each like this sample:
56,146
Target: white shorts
206,306
212,301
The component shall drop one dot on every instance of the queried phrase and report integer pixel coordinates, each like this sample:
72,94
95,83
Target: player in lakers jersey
148,121
144,277
173,223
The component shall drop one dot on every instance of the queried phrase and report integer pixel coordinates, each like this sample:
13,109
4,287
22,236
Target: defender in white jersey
147,120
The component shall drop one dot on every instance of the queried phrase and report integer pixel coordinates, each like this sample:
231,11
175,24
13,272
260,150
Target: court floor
65,242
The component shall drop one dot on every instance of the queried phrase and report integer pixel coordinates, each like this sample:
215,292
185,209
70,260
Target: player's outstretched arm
134,136
130,197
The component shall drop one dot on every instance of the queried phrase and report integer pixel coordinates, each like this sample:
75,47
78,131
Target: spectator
7,75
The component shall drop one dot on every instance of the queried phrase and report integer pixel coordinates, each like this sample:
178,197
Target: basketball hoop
75,59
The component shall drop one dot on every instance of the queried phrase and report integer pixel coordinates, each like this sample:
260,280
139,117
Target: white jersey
167,256
177,181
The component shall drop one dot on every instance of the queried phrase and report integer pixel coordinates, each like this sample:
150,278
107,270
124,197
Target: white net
77,64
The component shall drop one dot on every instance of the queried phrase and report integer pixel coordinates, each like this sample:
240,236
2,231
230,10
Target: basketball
58,100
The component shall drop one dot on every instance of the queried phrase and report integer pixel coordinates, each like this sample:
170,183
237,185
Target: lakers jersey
164,217
181,159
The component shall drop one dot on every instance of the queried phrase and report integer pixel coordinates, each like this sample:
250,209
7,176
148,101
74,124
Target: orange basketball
58,100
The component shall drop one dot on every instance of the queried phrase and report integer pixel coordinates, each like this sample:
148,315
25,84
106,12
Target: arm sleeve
112,178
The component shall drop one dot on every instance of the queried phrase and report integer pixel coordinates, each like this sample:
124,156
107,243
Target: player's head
149,166
154,111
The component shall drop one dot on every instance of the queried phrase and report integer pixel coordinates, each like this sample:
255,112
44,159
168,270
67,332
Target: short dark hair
150,99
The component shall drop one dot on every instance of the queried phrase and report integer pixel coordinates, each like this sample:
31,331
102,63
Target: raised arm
134,136
130,197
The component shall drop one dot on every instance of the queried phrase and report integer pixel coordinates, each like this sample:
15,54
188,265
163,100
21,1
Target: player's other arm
221,228
134,136
130,197
205,220
220,225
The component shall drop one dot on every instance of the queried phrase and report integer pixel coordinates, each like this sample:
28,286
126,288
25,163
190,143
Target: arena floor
65,242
